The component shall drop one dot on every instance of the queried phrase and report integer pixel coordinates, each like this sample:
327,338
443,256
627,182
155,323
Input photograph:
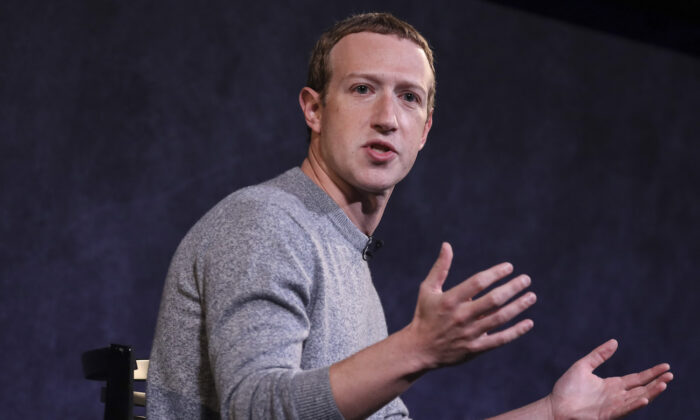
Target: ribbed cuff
312,395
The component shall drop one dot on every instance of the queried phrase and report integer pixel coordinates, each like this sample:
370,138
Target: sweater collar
316,198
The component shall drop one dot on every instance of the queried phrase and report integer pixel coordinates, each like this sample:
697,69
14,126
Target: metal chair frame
117,367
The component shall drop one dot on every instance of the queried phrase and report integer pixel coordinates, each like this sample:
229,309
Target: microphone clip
373,245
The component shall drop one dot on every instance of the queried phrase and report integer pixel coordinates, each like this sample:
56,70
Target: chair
116,365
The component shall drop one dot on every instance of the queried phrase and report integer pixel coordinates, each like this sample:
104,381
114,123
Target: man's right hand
454,326
448,328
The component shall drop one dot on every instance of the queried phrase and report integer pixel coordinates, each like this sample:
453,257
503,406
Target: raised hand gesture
453,326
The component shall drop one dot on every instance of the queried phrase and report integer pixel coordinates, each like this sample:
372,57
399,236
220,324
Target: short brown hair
381,23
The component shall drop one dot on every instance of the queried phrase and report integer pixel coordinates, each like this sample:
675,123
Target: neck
364,209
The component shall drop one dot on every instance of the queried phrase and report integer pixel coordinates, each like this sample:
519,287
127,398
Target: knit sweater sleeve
255,279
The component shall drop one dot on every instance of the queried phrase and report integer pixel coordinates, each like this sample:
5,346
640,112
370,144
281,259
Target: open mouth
380,152
380,148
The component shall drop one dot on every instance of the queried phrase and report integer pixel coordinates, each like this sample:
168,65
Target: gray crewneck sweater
263,294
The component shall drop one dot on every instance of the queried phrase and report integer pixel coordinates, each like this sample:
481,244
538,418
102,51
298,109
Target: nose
384,118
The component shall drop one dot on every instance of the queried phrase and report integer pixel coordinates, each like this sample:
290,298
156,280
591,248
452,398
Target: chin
378,184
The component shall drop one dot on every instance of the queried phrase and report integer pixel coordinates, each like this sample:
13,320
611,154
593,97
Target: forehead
373,53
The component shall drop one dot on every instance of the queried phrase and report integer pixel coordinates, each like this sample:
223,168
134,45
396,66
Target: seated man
269,310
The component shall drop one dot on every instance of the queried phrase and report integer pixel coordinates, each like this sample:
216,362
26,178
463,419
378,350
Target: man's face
374,119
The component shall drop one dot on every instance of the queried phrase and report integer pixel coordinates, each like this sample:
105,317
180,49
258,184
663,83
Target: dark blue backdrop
567,150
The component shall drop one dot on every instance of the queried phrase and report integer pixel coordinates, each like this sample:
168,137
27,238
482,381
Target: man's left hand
581,394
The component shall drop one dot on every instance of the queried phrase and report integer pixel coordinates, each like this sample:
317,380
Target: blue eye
361,89
410,97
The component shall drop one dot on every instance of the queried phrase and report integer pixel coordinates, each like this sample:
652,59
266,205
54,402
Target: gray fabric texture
263,294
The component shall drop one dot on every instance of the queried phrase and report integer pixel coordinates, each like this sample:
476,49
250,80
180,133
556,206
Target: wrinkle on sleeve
256,282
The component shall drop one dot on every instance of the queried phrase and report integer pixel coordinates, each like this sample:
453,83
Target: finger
653,388
438,273
499,296
598,356
629,406
642,378
490,341
642,396
480,281
506,313
658,386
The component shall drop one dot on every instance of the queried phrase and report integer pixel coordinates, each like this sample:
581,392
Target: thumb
598,356
438,274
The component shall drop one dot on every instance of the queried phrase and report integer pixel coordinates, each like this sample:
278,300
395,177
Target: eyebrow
377,79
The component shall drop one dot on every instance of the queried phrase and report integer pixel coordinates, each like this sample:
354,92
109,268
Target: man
269,310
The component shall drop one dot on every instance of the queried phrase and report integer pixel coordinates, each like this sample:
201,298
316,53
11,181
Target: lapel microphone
373,245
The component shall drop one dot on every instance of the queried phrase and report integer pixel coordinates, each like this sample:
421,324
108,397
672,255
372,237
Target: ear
310,102
426,129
